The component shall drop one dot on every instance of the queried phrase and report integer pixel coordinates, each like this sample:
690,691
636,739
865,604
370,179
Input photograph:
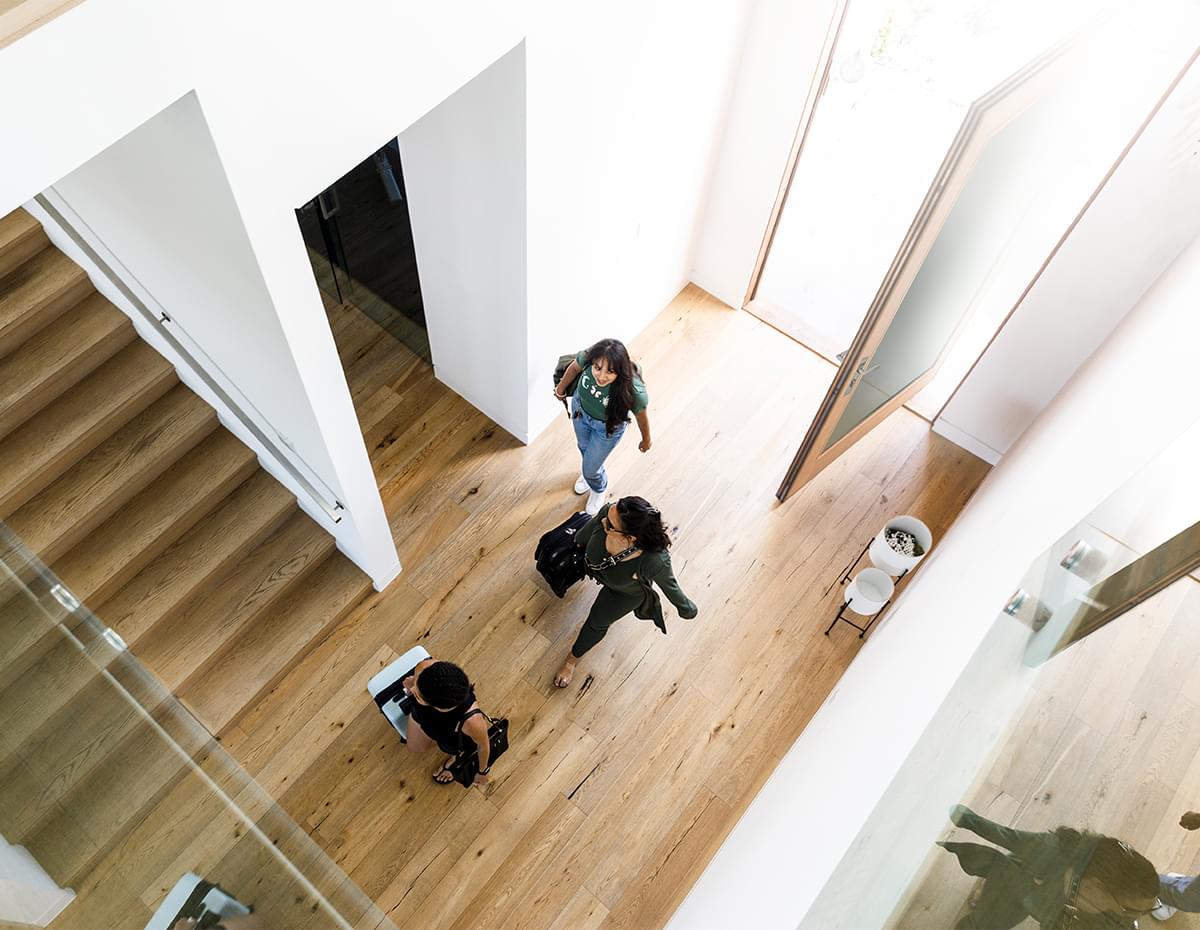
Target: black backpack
558,559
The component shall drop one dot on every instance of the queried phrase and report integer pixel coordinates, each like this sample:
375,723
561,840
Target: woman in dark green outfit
1064,879
625,550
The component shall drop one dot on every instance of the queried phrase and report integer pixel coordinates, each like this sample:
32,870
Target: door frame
984,119
816,90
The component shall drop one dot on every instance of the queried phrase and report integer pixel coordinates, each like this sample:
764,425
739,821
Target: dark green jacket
635,577
1035,869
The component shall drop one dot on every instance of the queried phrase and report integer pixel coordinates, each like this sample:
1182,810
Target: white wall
464,169
158,203
27,894
623,122
281,130
778,64
1143,217
625,115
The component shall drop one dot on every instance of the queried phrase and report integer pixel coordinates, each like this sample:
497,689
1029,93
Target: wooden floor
1109,741
21,17
617,791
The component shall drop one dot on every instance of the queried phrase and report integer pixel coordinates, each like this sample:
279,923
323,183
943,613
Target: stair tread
59,516
21,237
255,660
35,293
174,649
59,355
99,809
28,626
45,683
60,753
160,514
15,226
252,511
73,841
44,447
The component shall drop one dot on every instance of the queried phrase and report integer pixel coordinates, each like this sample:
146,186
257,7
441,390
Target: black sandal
444,769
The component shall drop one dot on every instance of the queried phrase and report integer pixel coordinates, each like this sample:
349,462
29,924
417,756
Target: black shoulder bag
465,766
560,369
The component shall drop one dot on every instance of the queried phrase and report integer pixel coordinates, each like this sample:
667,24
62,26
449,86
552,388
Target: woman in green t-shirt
607,392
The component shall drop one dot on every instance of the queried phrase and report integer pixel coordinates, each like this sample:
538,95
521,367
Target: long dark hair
620,392
644,523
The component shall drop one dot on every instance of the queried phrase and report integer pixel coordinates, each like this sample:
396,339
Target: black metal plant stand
862,630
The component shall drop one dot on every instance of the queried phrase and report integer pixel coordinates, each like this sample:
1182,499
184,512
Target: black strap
395,689
612,561
472,713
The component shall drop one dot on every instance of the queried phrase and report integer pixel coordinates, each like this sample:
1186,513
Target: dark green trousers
609,607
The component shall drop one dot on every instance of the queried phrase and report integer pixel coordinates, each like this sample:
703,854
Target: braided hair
444,685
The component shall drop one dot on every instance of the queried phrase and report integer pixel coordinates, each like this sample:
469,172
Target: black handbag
557,557
465,766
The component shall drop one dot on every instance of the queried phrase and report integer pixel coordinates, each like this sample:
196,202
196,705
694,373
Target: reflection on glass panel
124,801
1058,785
360,244
1000,189
1118,587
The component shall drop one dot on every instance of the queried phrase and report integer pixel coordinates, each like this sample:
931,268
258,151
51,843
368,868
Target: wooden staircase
159,521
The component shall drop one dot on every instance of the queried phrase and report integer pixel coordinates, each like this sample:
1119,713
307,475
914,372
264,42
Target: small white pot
869,591
883,556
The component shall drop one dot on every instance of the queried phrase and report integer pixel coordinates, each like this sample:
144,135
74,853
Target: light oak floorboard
617,791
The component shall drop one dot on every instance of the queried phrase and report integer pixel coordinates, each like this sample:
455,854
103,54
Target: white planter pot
895,563
869,591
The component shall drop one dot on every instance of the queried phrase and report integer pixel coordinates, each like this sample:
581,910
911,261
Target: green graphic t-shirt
594,399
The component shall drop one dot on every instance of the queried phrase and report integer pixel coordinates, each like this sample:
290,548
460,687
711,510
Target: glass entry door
972,207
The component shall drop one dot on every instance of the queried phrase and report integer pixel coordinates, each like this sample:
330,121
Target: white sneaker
1164,911
581,485
595,501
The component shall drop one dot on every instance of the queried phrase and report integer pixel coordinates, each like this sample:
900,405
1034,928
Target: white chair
395,672
193,897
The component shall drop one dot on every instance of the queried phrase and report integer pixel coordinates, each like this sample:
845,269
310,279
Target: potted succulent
900,545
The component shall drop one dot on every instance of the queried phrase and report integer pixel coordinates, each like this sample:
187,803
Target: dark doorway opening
360,243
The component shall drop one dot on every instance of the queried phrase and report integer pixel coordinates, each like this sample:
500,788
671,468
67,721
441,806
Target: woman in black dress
445,700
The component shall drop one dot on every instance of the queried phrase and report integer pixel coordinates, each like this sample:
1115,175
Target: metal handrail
159,319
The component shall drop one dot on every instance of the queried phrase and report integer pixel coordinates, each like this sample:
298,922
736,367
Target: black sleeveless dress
441,726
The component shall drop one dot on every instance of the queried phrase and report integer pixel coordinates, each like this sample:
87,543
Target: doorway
359,237
974,187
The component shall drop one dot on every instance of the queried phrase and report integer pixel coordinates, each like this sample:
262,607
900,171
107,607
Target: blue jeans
1181,891
595,445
